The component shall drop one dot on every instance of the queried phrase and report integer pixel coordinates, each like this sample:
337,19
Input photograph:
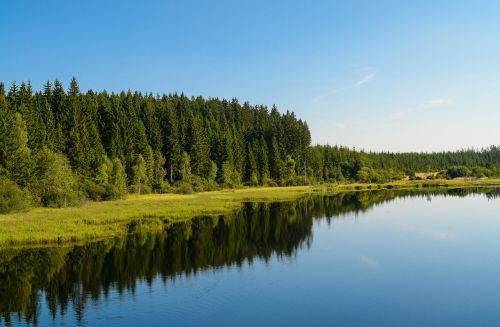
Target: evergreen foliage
58,145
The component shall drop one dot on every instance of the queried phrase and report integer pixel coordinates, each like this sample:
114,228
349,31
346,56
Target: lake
375,258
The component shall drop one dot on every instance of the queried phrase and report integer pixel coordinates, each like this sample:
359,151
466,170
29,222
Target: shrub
184,188
458,171
163,187
139,188
12,198
272,183
481,172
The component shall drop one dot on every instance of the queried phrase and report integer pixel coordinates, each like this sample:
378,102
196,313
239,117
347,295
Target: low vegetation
93,220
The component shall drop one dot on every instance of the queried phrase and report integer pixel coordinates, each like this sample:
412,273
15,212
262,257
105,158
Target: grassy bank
95,220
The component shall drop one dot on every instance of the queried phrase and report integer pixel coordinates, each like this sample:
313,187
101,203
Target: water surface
380,258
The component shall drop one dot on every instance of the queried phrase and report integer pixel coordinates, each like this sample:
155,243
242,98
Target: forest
60,146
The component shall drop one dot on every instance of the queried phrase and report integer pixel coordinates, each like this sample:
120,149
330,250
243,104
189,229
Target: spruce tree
17,154
159,183
117,180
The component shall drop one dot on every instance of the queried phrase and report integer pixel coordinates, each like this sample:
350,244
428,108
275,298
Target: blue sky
378,75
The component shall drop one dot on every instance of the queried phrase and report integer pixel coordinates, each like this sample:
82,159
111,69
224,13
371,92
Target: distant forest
60,146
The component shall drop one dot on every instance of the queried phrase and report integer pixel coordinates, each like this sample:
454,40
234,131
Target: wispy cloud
359,83
433,103
340,126
364,80
438,102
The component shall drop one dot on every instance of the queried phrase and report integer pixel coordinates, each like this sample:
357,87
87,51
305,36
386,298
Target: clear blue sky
378,75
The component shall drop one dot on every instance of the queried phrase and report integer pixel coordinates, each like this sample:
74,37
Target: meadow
97,220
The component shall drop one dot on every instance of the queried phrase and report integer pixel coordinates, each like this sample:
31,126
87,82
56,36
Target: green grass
95,220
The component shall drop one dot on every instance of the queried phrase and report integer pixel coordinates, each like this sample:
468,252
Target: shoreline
150,212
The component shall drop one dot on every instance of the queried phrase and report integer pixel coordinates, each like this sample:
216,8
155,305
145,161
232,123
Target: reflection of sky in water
411,262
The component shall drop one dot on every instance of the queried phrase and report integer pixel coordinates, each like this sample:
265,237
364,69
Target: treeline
337,163
58,146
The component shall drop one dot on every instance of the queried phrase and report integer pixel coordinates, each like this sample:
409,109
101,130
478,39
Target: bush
272,183
199,184
139,189
163,187
12,198
184,188
458,171
369,175
91,189
481,172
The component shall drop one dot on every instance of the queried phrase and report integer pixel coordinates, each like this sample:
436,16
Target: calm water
359,259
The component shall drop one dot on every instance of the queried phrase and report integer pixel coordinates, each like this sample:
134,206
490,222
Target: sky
375,75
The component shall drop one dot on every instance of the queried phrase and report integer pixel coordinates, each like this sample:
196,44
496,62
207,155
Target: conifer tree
276,163
17,154
172,145
213,172
4,129
199,154
149,158
117,180
159,183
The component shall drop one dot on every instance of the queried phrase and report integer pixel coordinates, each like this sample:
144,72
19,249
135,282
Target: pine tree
58,104
4,131
150,165
263,161
172,145
213,172
18,155
276,163
251,170
159,183
290,169
200,156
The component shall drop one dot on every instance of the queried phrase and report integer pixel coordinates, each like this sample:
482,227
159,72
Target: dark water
355,259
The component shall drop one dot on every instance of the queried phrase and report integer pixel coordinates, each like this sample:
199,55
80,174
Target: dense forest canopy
58,146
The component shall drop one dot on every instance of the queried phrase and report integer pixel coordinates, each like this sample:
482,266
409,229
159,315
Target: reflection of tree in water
75,275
